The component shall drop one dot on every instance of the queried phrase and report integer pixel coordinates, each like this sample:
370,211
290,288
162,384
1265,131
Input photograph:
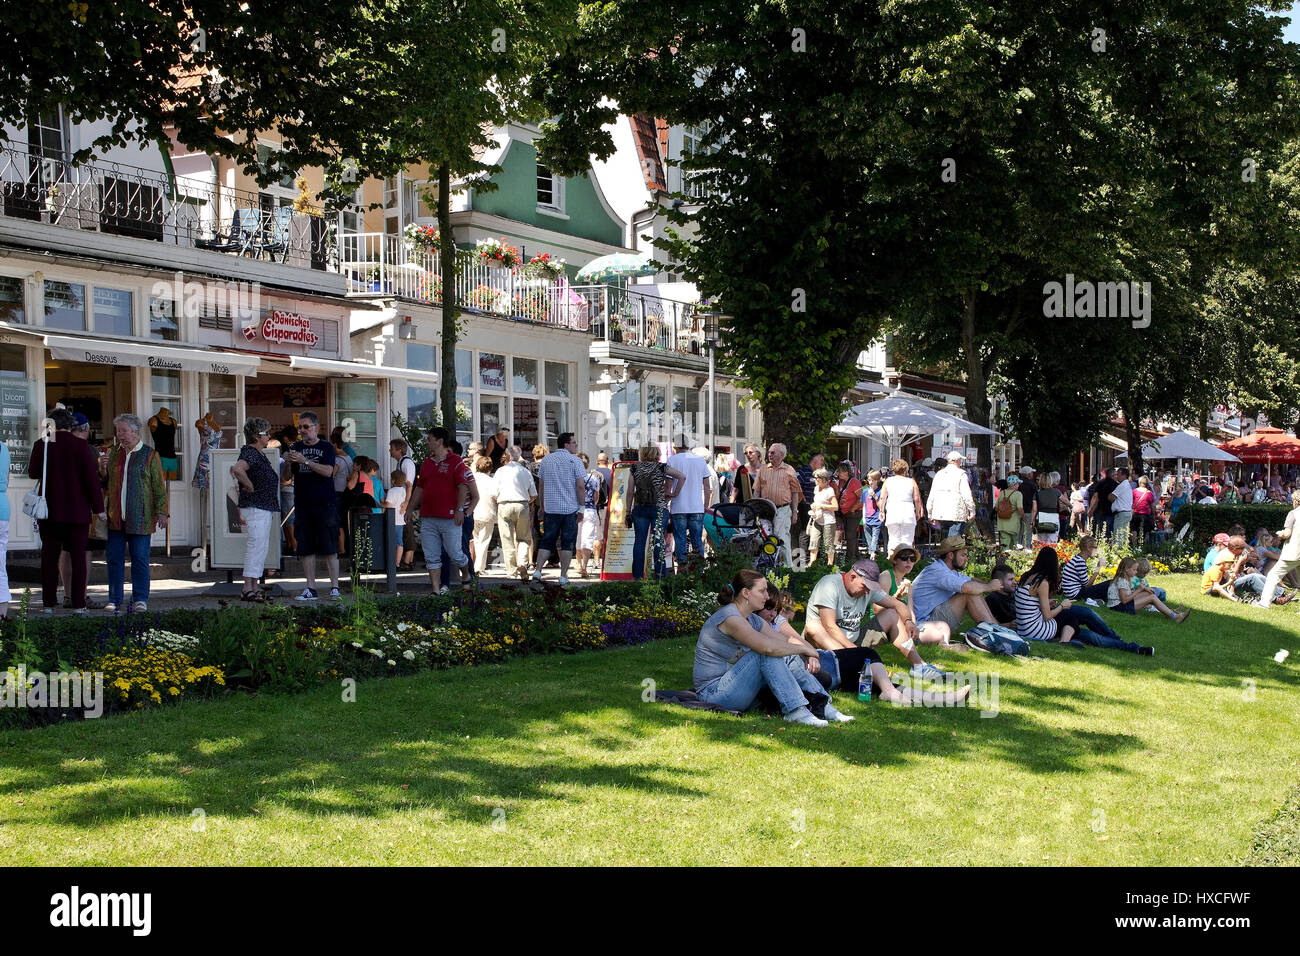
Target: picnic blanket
691,700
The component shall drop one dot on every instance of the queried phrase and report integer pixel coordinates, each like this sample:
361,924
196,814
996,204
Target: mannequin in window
209,438
163,429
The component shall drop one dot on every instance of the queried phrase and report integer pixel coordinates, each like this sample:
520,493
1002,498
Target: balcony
139,215
383,266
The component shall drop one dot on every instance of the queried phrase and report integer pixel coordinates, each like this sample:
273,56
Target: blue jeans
955,528
1084,619
872,533
466,533
441,534
1249,582
643,519
682,523
118,543
738,688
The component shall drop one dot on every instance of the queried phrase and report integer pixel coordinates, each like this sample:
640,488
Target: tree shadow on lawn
532,737
1221,644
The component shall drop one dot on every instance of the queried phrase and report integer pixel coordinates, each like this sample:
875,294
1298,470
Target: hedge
1209,520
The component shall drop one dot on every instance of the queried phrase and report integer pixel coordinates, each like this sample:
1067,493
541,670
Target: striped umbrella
620,264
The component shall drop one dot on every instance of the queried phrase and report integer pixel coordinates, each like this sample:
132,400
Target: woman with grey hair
259,502
137,506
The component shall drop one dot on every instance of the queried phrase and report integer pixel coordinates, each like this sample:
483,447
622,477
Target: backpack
1005,508
643,487
602,493
1001,639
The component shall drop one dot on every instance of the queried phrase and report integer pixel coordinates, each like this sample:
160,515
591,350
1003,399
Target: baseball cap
866,568
80,421
1013,480
1220,538
956,456
1027,470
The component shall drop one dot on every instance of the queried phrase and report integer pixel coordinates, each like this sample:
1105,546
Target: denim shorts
564,527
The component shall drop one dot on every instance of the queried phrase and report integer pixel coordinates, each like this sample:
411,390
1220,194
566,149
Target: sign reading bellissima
289,328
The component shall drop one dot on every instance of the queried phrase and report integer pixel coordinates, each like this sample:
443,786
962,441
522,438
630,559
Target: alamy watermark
195,299
1098,300
939,693
74,690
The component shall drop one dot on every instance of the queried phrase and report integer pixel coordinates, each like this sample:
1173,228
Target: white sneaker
334,594
1092,602
139,607
802,715
564,582
537,575
307,595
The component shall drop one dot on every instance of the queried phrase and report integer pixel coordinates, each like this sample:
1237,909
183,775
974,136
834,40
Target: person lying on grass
1038,619
738,654
842,612
843,666
1123,597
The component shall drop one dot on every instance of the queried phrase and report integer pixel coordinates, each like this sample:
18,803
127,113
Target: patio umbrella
896,420
1182,445
1266,445
619,264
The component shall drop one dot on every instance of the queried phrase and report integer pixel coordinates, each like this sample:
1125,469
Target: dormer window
550,190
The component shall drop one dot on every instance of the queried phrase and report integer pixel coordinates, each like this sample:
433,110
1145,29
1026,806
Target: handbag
34,503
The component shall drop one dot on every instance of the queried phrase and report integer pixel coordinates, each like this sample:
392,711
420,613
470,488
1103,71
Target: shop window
625,411
492,371
525,415
223,402
65,306
740,417
557,379
12,308
686,414
464,364
465,418
113,309
422,397
524,378
165,392
163,323
656,406
355,407
19,410
557,421
723,401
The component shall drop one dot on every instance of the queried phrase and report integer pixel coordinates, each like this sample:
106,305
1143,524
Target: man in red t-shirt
444,494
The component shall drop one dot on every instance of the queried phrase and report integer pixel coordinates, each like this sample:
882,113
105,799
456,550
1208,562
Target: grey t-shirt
850,612
716,651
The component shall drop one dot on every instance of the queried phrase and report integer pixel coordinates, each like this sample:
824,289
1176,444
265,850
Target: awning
359,369
69,348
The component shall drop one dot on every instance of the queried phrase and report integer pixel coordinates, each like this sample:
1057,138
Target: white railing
131,201
384,266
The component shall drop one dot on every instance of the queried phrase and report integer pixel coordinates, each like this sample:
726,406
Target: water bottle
864,685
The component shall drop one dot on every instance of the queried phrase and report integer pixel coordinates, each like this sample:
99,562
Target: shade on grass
1093,757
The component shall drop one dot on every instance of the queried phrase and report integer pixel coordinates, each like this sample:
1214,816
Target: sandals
255,597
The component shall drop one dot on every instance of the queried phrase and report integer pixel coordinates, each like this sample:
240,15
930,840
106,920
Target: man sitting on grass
942,596
1224,578
840,614
1002,602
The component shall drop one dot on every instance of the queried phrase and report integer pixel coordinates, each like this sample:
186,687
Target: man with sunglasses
316,523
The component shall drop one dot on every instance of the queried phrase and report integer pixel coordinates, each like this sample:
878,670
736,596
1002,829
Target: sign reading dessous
289,328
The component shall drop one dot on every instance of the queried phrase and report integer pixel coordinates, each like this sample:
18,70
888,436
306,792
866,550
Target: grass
1095,757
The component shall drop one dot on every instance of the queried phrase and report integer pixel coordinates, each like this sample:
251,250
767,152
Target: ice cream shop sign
284,328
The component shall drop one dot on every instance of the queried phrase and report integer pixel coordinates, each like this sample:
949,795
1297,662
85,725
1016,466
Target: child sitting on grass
1122,597
1140,581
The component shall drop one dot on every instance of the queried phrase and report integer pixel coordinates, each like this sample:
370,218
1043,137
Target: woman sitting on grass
1038,619
1122,597
843,667
738,654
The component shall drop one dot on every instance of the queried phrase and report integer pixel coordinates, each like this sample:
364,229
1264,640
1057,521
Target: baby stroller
746,528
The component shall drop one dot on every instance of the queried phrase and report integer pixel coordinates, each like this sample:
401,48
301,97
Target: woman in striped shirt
1038,620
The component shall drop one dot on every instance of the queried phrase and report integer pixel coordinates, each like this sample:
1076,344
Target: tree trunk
1133,437
977,397
450,313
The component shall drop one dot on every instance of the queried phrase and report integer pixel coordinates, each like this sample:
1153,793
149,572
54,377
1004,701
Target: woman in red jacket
849,518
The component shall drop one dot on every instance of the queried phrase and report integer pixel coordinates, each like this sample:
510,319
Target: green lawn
1095,757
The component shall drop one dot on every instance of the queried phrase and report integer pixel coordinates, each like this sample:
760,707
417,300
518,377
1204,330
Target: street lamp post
712,331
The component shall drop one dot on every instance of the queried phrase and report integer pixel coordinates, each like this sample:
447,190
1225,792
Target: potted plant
497,253
421,238
544,266
615,330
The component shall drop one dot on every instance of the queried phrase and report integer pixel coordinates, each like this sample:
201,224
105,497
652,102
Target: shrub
1209,520
139,677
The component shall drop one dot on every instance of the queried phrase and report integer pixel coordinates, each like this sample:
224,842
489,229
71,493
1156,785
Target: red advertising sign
289,328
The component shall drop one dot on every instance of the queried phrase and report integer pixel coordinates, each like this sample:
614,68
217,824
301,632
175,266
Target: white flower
402,626
376,651
409,655
356,643
392,663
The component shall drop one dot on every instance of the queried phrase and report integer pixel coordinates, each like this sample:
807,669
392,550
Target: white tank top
900,496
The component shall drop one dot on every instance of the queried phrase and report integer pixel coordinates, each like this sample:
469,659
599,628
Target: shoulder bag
34,503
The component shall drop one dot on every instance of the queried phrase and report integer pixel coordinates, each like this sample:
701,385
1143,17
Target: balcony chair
275,236
244,227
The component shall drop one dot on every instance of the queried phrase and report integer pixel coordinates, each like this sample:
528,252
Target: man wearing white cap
950,498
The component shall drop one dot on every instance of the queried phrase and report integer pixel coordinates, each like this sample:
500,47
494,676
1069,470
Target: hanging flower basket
497,253
421,238
544,266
